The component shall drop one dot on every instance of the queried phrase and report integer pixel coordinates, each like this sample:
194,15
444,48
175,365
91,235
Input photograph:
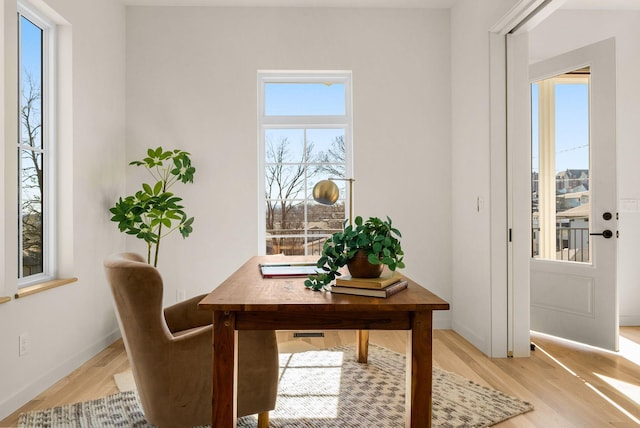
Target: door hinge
510,230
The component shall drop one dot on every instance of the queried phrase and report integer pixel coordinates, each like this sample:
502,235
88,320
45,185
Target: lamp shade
326,192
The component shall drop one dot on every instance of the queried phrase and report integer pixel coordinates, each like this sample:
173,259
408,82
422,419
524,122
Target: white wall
191,83
69,324
553,37
421,104
478,179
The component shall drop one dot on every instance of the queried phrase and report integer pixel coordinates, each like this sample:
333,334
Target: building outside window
305,136
560,206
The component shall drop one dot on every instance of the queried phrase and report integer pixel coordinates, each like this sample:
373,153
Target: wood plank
322,320
561,399
43,286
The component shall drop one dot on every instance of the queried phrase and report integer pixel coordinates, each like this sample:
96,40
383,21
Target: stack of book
388,284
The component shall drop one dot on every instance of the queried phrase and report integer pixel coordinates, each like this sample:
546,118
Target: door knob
605,233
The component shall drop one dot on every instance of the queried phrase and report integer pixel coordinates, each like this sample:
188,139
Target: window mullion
546,175
306,121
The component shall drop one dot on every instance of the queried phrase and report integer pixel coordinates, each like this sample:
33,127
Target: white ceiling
421,4
602,4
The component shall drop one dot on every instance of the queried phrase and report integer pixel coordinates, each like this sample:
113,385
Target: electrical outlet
181,295
23,340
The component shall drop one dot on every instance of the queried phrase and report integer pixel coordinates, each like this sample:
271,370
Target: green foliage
153,208
378,238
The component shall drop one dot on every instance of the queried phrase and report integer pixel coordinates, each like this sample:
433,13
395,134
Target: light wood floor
570,385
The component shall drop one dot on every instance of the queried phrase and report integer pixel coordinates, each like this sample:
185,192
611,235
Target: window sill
4,299
37,288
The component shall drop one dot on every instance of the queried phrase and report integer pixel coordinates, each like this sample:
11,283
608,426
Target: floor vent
308,334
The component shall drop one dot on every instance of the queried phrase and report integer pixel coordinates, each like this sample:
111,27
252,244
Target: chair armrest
185,315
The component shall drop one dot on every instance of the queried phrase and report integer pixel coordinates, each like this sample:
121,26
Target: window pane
284,146
285,217
560,173
304,99
572,128
31,147
285,181
287,246
325,219
31,212
30,83
327,148
572,171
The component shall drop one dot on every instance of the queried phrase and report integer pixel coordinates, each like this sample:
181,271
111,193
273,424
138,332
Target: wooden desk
246,301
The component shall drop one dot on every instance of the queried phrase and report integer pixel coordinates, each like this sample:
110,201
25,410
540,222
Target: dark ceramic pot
359,266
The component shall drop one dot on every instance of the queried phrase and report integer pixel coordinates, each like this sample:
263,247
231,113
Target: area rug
321,389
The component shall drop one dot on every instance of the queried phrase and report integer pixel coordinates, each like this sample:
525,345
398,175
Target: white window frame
547,162
300,121
48,96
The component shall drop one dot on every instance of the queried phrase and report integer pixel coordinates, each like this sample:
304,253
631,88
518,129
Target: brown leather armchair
170,351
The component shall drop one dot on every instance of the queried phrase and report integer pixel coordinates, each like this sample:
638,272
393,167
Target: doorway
573,259
567,267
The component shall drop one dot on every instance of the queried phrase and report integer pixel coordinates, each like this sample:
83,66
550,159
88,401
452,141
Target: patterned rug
321,389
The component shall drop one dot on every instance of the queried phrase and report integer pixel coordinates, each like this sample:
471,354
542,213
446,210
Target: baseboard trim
629,320
442,320
37,386
473,338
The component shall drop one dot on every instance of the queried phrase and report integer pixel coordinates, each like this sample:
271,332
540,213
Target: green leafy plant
376,237
154,208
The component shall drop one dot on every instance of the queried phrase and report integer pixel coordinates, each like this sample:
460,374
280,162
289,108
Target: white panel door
574,203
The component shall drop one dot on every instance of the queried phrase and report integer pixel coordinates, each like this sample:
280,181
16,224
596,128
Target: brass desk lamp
326,192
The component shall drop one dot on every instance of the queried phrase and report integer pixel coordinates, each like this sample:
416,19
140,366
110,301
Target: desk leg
362,345
419,371
225,371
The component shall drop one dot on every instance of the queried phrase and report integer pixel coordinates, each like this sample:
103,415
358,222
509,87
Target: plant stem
155,262
164,189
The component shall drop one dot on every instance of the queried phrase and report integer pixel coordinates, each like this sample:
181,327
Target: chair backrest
173,373
137,291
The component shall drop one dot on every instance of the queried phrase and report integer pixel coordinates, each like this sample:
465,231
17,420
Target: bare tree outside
295,223
332,161
32,179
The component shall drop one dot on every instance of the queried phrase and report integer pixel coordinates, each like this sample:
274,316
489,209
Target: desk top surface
246,290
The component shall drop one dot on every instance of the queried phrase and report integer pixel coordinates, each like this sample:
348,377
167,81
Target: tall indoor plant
153,212
376,239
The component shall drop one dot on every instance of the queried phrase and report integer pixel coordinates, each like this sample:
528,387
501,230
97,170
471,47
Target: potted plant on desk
365,248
